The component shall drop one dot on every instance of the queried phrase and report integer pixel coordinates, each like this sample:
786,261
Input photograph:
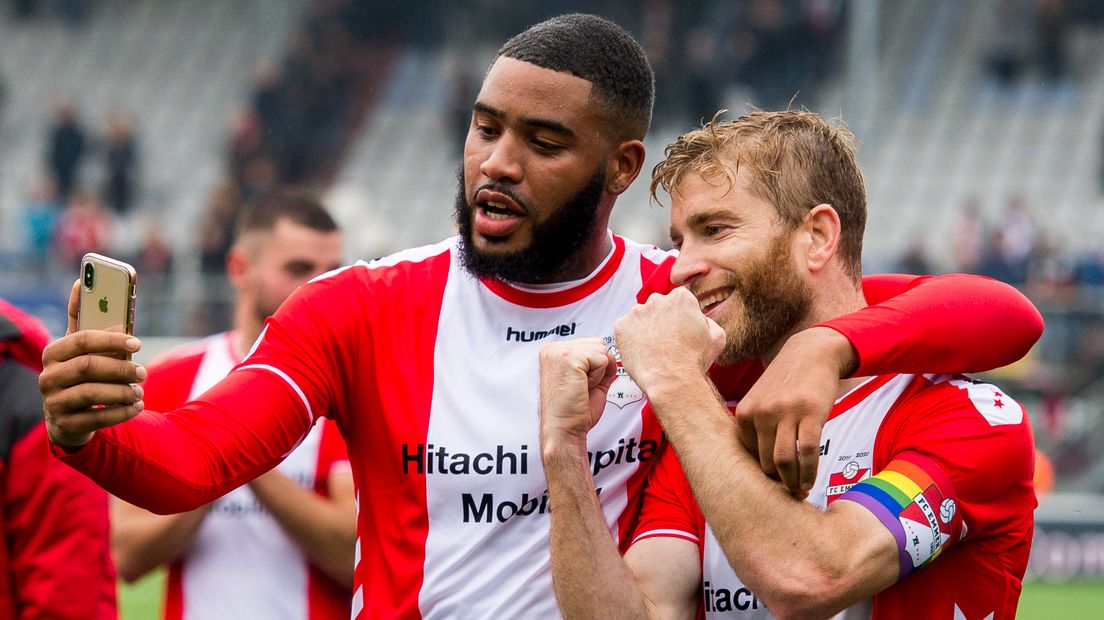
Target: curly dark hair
601,52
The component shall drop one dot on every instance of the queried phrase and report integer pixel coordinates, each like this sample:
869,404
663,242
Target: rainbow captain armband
915,501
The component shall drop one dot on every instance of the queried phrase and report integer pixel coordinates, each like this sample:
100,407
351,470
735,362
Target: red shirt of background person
55,562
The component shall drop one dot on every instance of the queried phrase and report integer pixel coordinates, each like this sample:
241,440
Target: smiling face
736,256
532,205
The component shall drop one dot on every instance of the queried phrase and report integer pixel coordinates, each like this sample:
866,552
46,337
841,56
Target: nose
502,160
689,266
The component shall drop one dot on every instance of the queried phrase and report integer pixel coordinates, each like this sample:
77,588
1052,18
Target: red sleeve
57,532
944,324
669,508
242,426
980,438
174,462
957,460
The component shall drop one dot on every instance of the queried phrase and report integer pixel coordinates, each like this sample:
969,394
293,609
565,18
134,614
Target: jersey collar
859,393
533,298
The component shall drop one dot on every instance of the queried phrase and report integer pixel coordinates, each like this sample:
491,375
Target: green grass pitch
1040,601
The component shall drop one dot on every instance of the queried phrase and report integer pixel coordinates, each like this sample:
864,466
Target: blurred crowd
299,115
66,215
1012,247
1031,37
771,52
302,108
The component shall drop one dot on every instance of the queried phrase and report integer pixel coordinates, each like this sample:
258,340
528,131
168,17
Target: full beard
554,244
775,300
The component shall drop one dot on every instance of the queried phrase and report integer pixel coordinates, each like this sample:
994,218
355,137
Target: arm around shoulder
941,324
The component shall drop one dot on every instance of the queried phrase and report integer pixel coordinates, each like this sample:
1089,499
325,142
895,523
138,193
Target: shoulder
22,336
979,435
346,303
185,355
178,366
415,267
973,402
654,265
647,251
172,374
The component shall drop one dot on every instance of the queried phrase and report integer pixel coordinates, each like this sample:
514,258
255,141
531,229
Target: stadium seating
180,68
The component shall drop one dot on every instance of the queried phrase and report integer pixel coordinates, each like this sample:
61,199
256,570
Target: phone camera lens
89,273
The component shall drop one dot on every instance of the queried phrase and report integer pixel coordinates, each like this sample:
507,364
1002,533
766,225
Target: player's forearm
323,528
952,323
142,541
781,547
176,462
588,574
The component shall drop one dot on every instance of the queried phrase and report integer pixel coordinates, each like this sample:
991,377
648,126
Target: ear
624,166
822,229
237,267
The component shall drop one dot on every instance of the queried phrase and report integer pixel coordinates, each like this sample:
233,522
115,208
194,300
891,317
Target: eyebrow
700,218
530,121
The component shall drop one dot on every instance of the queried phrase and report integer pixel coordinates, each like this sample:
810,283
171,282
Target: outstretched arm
957,323
166,463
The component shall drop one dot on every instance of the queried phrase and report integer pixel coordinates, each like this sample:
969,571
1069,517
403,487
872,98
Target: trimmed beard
555,242
775,299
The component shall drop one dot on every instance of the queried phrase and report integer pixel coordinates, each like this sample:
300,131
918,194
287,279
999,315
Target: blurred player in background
282,545
55,563
928,472
427,359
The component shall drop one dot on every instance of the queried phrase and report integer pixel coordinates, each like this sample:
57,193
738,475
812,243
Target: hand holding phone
87,381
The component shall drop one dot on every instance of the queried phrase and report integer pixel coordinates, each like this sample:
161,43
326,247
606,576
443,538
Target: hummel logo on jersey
529,336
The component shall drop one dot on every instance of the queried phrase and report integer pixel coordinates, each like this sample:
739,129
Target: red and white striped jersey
241,563
943,461
431,375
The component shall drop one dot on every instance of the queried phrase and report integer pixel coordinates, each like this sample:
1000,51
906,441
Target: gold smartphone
107,294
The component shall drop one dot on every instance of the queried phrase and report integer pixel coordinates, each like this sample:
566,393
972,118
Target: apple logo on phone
103,305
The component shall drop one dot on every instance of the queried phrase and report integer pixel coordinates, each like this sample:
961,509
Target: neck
597,248
828,302
246,330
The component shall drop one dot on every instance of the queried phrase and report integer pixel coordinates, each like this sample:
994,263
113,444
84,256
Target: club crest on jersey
839,482
624,390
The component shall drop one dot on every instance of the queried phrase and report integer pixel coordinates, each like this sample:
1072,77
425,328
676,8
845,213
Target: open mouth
497,205
496,211
497,215
714,298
